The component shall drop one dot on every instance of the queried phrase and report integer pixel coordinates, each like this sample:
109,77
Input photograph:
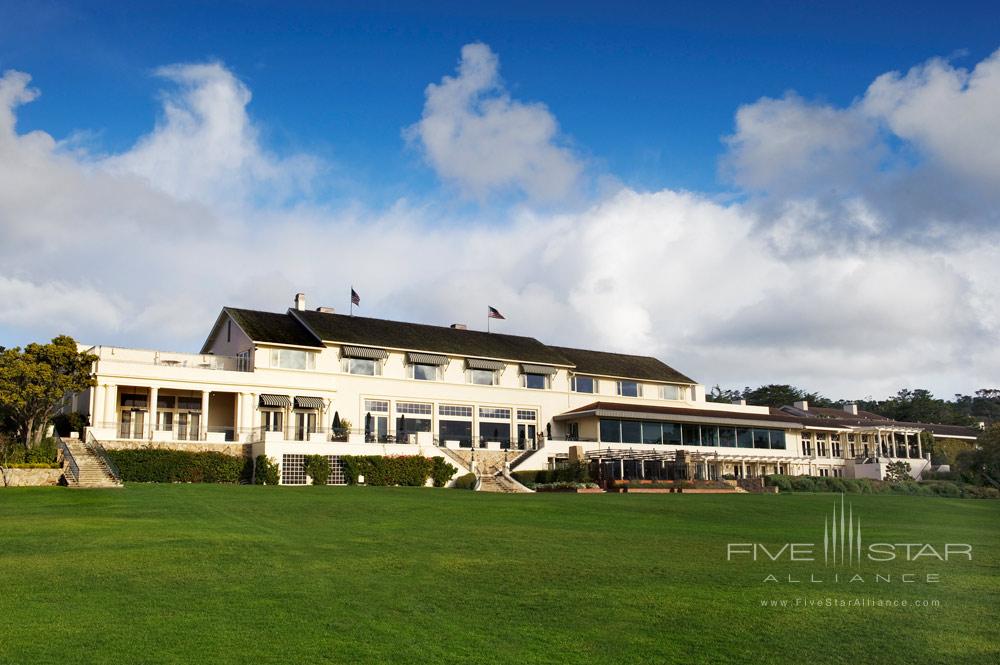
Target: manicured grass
220,574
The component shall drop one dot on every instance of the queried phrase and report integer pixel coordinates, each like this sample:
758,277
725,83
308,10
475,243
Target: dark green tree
34,380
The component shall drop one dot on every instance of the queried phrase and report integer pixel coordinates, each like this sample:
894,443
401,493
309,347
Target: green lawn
214,574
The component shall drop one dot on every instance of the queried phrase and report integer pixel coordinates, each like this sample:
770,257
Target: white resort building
308,382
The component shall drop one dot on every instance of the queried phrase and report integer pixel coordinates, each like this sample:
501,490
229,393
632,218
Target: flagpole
487,319
352,300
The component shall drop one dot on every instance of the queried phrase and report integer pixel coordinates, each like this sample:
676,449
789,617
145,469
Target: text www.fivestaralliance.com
848,603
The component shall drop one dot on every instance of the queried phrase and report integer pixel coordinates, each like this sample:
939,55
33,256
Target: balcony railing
167,359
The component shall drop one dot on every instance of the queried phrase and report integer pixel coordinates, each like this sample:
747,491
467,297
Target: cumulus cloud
132,248
475,136
917,156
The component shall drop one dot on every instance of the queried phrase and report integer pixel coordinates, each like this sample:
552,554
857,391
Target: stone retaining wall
31,477
234,449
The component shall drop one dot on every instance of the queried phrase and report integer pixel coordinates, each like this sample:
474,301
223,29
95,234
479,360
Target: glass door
132,424
525,435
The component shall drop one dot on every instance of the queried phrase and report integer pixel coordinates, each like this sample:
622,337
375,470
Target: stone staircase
93,471
498,483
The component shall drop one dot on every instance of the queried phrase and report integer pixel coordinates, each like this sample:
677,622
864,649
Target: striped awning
280,401
426,359
537,369
365,352
477,363
308,402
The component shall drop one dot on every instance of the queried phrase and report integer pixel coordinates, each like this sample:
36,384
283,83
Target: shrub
158,465
441,471
803,484
45,452
318,468
406,470
782,482
529,478
466,482
265,471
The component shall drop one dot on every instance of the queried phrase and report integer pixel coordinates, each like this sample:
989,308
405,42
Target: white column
97,405
238,418
204,414
110,403
154,395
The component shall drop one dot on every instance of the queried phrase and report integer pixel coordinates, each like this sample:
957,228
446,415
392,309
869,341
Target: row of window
636,431
485,377
380,406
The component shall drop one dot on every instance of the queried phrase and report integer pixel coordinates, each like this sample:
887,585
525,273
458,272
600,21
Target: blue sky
766,192
645,90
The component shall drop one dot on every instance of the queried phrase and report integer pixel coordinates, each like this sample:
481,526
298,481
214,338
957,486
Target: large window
271,421
363,366
455,430
536,381
293,359
671,392
631,431
692,435
744,437
424,372
584,384
377,405
628,388
611,431
760,439
727,437
709,435
482,377
490,431
652,433
671,434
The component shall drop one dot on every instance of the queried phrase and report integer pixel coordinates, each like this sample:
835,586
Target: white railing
172,359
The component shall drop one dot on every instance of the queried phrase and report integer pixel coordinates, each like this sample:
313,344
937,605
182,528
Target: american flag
355,298
494,314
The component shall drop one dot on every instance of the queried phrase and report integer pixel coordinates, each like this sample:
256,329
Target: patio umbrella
336,420
368,424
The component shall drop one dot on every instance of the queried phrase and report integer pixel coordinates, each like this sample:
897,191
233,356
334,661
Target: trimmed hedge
265,471
159,465
317,468
577,472
406,470
466,482
868,486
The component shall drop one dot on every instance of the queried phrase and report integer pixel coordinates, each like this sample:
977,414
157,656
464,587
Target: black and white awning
528,368
426,359
278,401
478,363
365,352
308,402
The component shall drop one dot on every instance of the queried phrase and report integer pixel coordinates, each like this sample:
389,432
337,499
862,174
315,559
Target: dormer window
426,366
362,360
536,377
672,392
628,388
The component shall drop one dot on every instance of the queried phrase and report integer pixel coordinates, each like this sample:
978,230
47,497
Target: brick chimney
300,302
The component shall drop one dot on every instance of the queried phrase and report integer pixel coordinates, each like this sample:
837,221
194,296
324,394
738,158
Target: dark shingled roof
274,328
420,337
620,364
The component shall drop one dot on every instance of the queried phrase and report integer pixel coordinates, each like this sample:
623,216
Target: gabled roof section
266,328
622,365
340,328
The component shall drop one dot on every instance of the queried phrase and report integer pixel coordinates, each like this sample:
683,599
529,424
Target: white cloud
143,247
475,136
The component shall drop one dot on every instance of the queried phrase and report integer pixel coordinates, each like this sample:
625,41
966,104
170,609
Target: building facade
309,382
